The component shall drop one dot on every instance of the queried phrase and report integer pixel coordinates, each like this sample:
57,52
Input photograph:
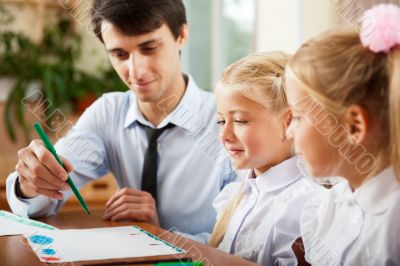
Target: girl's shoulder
303,189
226,195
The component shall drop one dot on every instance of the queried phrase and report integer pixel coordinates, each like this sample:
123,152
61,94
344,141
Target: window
221,32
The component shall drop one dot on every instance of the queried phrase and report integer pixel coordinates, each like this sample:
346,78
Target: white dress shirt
193,166
266,222
343,227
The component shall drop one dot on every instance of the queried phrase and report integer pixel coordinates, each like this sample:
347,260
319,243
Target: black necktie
149,173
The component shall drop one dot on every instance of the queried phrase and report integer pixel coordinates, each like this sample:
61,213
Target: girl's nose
226,133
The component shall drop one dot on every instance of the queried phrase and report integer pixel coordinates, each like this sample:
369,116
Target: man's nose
137,67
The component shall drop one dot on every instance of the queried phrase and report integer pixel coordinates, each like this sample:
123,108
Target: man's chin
143,97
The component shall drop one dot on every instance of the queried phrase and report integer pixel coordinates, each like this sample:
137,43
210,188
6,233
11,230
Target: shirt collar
372,196
185,115
277,177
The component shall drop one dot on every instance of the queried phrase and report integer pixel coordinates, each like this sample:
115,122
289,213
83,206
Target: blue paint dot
41,240
48,251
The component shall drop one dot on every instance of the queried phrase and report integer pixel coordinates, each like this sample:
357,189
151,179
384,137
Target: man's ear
357,121
183,35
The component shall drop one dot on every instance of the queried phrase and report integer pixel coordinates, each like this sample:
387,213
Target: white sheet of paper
11,224
97,244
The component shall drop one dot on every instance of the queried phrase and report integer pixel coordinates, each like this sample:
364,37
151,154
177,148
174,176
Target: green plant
52,65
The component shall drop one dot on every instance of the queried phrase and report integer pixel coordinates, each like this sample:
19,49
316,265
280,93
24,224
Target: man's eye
119,55
149,49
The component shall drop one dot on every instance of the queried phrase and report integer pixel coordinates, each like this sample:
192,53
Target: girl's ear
357,121
287,118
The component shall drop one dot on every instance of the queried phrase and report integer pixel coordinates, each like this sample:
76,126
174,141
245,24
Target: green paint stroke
26,221
179,250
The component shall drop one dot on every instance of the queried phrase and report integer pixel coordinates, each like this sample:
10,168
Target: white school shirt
343,227
276,196
193,165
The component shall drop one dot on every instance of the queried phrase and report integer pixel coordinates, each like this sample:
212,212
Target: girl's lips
234,152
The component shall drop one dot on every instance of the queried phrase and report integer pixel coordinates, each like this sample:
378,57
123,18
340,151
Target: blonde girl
344,91
258,218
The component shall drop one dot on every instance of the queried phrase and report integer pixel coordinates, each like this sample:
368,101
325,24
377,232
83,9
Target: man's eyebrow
141,45
156,40
112,50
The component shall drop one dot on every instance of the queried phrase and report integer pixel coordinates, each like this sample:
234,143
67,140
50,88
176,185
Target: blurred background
52,67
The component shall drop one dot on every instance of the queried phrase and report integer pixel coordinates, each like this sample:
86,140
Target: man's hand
40,173
132,204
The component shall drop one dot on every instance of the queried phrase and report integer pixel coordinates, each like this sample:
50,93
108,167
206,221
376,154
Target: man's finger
67,164
37,170
51,194
126,199
111,213
43,184
40,178
125,191
137,215
46,158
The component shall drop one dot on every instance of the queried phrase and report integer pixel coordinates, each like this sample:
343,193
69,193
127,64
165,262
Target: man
117,133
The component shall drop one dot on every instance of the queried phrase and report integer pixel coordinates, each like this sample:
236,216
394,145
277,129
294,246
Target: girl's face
308,129
252,135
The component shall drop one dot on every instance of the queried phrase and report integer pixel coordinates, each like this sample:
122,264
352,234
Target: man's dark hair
135,17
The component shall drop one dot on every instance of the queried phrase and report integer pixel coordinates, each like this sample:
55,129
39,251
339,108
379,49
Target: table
15,251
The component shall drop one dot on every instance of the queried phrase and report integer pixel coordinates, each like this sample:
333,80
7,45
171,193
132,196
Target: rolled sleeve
37,206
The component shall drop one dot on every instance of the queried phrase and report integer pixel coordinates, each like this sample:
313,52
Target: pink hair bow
380,28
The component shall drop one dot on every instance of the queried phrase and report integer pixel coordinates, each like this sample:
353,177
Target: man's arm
39,187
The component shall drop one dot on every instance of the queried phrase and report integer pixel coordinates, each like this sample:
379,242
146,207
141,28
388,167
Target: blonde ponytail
222,224
394,108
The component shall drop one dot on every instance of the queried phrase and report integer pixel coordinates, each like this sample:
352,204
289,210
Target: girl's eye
221,122
296,118
294,122
241,122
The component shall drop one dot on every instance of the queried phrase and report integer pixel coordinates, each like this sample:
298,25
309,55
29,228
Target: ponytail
222,224
394,107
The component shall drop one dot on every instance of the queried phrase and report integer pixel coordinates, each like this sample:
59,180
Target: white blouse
266,222
342,227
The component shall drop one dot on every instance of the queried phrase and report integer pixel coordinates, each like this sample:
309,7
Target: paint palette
97,244
47,254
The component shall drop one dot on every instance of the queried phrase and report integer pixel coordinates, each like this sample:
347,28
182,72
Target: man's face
149,64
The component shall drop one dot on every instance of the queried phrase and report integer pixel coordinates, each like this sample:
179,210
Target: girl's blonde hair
259,77
338,71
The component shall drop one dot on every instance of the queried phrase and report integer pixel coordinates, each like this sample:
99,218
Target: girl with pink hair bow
344,91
